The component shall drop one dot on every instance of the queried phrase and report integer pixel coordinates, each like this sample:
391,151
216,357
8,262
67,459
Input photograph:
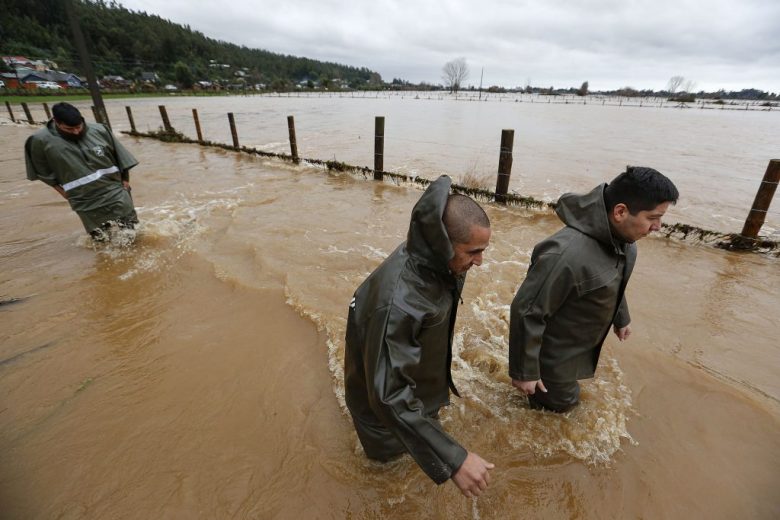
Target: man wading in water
399,340
574,290
87,166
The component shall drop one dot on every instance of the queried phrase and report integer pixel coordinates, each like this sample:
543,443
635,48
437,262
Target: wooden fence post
293,142
130,118
101,117
10,111
46,109
166,122
197,125
766,192
233,130
379,147
28,114
504,165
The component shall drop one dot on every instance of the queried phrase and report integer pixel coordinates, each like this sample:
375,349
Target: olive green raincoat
572,295
90,171
399,345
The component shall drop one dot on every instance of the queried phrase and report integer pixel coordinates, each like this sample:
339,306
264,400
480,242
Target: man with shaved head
399,340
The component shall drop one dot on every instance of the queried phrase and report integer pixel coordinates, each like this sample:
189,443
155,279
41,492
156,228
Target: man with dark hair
399,340
574,289
87,166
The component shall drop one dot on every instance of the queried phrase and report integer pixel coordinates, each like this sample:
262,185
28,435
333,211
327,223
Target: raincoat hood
587,214
427,240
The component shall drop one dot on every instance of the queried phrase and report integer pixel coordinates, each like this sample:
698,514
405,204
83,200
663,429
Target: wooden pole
766,192
10,111
504,165
233,130
166,122
28,113
197,125
86,63
293,142
130,118
46,109
95,114
379,147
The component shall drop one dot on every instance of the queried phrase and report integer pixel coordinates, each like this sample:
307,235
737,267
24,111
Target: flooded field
197,373
716,157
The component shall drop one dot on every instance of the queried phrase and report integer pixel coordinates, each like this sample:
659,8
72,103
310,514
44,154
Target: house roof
16,59
50,76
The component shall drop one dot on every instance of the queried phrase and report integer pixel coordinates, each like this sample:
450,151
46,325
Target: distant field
54,98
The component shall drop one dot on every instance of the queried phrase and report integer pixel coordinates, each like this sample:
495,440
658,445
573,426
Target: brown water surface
197,372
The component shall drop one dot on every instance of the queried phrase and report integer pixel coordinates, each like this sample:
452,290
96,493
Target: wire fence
678,231
482,150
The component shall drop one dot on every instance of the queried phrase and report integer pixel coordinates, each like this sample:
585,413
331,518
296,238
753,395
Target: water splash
165,233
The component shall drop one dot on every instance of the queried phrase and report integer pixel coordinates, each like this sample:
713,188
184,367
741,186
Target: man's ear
619,212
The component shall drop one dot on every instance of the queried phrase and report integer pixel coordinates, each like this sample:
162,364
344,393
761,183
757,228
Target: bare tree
583,90
689,86
674,83
455,73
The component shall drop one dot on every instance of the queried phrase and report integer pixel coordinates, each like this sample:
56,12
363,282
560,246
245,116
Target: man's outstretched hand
472,478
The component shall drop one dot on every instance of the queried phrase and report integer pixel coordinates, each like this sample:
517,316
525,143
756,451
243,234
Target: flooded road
197,373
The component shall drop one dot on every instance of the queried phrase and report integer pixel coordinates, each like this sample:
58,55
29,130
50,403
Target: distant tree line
672,95
126,43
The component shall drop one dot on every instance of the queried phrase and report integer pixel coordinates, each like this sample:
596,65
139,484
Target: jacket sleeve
545,288
36,164
622,317
392,354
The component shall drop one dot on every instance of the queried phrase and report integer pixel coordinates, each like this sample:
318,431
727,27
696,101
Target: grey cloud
610,43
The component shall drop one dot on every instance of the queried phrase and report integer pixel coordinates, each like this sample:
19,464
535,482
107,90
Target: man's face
470,253
633,227
72,132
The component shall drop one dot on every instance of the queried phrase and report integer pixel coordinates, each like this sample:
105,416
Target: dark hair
67,114
640,189
460,213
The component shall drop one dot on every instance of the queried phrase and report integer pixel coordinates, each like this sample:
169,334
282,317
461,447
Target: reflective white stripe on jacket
89,178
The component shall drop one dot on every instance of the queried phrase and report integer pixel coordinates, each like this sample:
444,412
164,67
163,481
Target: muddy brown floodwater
197,373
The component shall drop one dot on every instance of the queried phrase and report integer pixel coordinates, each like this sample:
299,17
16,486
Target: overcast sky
729,44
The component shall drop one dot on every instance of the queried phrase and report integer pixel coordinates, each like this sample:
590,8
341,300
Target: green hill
126,43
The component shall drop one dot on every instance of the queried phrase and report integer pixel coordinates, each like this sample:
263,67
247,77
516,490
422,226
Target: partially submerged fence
747,240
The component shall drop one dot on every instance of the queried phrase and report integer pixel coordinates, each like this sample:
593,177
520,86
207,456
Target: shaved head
460,214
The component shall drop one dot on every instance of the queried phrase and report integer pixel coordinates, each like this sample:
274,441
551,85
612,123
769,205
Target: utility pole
86,64
480,82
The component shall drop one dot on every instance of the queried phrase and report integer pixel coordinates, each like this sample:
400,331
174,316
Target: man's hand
529,387
472,478
622,333
126,185
59,189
